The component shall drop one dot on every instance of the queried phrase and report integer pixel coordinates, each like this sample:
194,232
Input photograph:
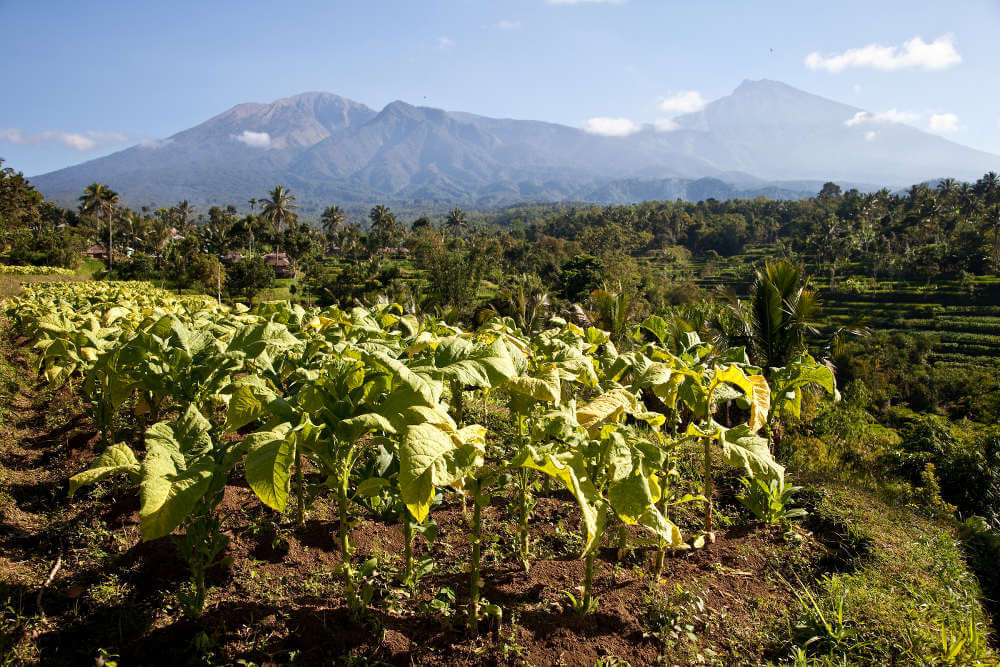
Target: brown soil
280,599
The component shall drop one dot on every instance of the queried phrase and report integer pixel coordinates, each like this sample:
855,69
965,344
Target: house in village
281,264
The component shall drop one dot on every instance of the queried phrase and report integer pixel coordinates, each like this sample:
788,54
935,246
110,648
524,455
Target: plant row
376,399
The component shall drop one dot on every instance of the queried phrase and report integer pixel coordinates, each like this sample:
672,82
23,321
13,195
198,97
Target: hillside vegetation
744,431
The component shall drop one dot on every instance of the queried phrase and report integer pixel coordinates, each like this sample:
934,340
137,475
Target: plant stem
476,546
523,541
588,581
408,579
459,400
345,544
300,488
523,499
622,541
200,593
708,488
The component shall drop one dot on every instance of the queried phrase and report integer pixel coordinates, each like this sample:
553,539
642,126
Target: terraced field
963,319
961,333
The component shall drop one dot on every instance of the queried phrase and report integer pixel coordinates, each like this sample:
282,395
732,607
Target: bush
60,249
137,267
248,277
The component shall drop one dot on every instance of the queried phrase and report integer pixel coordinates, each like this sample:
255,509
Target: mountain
766,138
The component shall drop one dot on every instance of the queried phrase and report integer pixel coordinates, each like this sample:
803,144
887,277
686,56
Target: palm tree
384,231
456,220
100,200
333,217
610,309
526,301
781,310
136,226
279,211
185,211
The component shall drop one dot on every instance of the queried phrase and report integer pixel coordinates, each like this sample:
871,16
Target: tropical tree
385,231
525,299
100,200
332,219
456,220
279,211
184,212
779,313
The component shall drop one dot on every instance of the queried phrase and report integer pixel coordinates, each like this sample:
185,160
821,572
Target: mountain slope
330,149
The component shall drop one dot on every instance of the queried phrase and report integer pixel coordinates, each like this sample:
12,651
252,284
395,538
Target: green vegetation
484,384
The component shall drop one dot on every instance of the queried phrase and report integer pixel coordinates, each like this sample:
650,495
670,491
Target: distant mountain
766,138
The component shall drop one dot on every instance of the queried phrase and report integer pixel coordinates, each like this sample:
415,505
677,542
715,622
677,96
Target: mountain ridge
331,149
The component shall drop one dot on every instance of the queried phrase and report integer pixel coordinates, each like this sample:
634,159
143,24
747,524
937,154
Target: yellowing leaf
760,406
607,407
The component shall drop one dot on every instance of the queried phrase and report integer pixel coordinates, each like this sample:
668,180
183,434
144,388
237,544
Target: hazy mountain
328,149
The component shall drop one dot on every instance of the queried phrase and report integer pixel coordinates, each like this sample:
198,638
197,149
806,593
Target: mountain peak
762,84
331,149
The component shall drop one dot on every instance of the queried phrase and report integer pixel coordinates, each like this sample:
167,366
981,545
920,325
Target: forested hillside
723,431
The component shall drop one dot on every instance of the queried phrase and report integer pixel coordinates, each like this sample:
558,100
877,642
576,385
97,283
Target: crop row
375,399
13,270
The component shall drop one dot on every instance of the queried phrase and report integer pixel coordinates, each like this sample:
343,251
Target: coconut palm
332,219
184,211
779,313
456,220
385,232
610,309
526,300
279,211
99,200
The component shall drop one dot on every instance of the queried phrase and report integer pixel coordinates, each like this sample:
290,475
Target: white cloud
890,116
611,127
77,142
666,125
857,88
937,55
943,122
74,140
870,135
254,139
12,134
509,25
684,101
445,42
108,136
580,2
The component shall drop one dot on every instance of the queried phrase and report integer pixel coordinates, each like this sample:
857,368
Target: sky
81,80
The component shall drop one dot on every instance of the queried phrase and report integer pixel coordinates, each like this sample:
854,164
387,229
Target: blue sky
84,79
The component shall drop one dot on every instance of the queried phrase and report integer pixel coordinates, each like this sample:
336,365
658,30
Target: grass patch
909,599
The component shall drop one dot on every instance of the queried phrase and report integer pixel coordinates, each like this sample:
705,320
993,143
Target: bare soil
279,599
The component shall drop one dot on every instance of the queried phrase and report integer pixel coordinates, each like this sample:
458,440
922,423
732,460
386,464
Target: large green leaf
607,407
742,447
176,472
268,466
569,468
245,406
542,387
469,363
116,459
634,501
760,406
426,460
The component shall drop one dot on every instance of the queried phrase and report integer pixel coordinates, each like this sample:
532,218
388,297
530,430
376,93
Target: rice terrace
712,378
